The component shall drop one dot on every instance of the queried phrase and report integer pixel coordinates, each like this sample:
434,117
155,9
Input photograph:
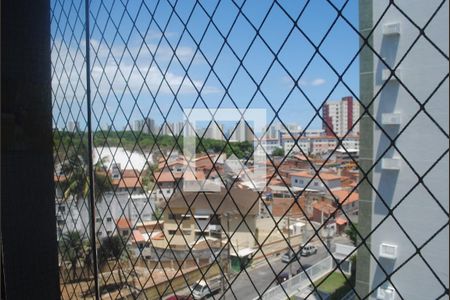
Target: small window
125,232
100,233
172,232
109,219
98,220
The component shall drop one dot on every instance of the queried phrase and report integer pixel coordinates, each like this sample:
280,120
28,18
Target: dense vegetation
65,142
278,152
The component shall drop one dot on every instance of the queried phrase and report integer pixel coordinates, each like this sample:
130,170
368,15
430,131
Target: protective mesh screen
250,149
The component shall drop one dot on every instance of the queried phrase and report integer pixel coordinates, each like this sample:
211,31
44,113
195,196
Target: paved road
260,277
263,276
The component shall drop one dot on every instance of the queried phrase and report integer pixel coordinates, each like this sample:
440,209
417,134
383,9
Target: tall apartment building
73,126
138,125
409,250
214,131
242,133
273,130
150,126
340,116
147,125
177,128
166,128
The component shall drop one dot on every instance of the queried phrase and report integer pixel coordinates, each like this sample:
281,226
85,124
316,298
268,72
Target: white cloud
302,82
318,82
114,69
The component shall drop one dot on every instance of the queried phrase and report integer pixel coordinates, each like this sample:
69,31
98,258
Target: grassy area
335,281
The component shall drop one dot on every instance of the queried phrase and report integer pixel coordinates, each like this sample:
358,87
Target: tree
352,232
157,213
113,247
76,170
72,248
147,179
278,152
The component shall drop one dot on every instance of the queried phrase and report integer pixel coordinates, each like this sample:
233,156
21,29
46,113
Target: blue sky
142,57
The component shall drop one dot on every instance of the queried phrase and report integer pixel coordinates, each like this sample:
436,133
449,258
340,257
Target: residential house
321,181
191,218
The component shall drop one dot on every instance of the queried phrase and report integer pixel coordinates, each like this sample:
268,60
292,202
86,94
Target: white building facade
423,211
340,116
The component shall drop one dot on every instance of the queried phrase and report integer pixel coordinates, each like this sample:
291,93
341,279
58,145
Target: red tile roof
130,173
130,182
300,157
281,205
342,195
179,161
324,207
164,177
188,175
138,237
324,176
59,178
158,236
192,176
341,221
123,223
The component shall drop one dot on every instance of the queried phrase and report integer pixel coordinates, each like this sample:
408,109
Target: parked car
288,257
180,297
282,277
201,288
308,250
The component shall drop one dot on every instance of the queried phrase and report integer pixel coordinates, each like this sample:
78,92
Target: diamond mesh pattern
128,229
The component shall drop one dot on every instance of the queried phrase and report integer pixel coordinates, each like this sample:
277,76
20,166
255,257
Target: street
262,277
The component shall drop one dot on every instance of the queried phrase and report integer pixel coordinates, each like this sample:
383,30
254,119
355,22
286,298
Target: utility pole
329,236
228,249
289,240
225,265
